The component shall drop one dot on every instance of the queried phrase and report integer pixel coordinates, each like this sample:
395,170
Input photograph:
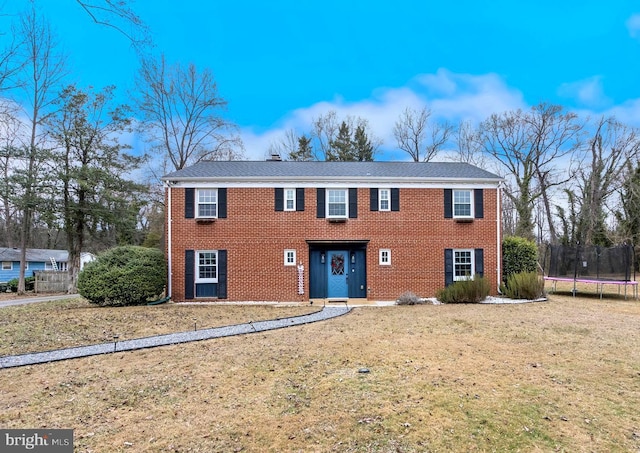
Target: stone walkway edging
170,339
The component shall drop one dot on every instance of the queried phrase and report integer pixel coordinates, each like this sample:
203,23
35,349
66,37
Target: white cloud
450,96
627,113
633,25
587,93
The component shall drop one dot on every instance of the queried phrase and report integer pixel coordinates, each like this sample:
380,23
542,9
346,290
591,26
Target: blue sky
281,63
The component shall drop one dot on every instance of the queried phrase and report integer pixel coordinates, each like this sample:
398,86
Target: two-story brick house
300,231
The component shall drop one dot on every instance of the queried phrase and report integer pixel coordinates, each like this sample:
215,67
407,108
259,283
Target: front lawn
562,375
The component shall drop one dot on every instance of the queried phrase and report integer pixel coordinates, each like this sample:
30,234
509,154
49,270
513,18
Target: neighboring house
299,231
37,260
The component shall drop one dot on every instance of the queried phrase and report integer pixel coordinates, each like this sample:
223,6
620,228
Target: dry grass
557,376
76,322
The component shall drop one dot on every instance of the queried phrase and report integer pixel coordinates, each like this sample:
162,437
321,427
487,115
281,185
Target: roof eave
330,179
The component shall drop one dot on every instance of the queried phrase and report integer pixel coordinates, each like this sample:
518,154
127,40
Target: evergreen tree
363,148
341,148
95,196
304,152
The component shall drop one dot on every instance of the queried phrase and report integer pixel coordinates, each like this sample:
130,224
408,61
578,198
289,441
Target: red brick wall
256,236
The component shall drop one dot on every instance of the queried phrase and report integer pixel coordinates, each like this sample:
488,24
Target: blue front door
337,273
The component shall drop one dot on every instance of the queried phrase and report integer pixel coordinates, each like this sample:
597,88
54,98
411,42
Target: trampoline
592,265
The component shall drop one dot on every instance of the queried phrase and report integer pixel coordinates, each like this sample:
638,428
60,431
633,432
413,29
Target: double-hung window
207,266
207,203
462,205
463,265
7,265
289,199
384,200
337,203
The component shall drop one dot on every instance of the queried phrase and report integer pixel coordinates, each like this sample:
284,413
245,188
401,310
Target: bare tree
336,138
285,146
610,150
43,71
418,137
181,114
9,150
555,137
119,15
529,146
469,145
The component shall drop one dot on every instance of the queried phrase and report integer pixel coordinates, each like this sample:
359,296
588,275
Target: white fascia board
433,183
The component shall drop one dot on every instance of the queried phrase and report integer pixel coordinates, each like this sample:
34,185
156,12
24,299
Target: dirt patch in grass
562,375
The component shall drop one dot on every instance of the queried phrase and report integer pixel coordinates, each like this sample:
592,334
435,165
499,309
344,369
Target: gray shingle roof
33,255
291,169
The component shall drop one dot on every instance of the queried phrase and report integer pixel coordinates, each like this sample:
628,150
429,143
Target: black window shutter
189,274
448,267
448,203
299,199
478,196
395,199
320,207
353,203
279,199
222,274
222,203
189,203
479,258
373,197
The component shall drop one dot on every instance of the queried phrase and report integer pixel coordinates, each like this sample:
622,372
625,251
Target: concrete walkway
169,339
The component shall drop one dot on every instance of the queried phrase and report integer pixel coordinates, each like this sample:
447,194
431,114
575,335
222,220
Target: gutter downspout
498,235
169,244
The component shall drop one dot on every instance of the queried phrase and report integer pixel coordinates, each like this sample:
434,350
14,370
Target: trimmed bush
29,283
518,255
408,298
523,285
465,291
127,275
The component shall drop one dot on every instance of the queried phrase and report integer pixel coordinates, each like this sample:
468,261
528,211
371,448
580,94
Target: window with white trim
337,203
7,265
463,265
462,205
207,266
289,199
385,257
207,203
384,200
289,257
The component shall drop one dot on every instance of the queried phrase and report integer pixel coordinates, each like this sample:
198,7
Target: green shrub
29,284
523,285
518,255
465,291
127,275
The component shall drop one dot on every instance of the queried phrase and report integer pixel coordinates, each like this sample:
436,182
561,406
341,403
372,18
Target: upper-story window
290,199
384,200
462,205
207,203
337,203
